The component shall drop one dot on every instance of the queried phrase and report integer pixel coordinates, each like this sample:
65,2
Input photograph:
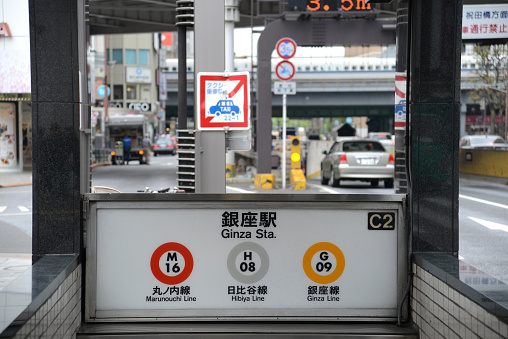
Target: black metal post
182,77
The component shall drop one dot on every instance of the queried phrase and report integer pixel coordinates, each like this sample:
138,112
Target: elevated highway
326,87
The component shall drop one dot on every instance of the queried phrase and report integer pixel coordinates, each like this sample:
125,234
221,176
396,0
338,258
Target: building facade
15,88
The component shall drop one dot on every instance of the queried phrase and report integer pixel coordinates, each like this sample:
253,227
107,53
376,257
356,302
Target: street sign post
285,70
224,101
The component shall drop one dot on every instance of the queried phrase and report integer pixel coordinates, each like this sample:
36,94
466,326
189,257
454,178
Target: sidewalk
15,178
13,264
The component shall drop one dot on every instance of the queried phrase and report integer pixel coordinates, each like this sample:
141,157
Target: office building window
117,92
130,57
143,57
118,56
131,92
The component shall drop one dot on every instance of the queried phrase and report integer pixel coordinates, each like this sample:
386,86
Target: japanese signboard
142,75
223,101
484,22
234,259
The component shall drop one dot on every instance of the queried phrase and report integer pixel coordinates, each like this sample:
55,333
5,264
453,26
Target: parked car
483,142
357,159
164,146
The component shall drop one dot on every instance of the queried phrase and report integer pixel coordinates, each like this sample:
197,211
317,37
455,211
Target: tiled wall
441,312
60,315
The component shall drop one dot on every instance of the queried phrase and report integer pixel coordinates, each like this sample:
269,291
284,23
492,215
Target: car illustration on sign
225,107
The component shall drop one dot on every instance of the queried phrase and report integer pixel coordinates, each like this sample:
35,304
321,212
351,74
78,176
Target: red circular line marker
160,251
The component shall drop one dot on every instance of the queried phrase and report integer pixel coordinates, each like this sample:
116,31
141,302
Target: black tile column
434,61
55,120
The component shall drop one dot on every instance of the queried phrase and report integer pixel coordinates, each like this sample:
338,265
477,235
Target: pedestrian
146,144
126,149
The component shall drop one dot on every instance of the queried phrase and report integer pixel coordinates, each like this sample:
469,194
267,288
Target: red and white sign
484,22
223,101
285,70
400,100
286,48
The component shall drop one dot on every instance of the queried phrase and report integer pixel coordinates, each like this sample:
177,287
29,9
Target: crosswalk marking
23,209
490,224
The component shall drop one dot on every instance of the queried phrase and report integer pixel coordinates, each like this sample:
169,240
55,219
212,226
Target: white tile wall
60,316
441,312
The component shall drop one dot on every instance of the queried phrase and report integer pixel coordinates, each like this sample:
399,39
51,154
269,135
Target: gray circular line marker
239,276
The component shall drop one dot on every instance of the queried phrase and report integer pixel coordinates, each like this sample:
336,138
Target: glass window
143,57
131,92
118,56
130,57
117,92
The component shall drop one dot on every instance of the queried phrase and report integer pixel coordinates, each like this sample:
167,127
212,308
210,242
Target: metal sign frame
147,204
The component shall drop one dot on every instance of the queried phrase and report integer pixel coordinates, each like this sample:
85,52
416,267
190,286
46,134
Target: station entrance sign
224,101
219,257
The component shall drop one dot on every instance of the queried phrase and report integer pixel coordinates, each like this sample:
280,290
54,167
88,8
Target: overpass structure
434,298
328,87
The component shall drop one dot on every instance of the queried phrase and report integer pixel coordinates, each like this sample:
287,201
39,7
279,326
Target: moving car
483,142
357,159
385,138
164,146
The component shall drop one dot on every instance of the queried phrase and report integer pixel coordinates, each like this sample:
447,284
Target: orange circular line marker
335,274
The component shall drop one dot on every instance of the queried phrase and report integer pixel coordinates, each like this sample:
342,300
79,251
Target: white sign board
284,87
223,101
249,259
484,22
140,75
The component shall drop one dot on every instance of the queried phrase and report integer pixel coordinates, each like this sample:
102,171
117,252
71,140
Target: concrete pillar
56,123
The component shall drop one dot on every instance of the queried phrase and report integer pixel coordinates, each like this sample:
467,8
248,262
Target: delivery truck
135,126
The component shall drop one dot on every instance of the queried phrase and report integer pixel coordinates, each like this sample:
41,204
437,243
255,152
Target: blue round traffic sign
100,91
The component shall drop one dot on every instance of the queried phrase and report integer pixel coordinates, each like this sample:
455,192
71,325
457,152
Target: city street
483,230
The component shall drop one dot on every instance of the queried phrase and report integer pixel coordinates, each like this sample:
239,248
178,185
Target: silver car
492,142
357,159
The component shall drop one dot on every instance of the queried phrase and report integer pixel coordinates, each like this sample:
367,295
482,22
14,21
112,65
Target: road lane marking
324,188
239,190
490,224
2,208
15,214
23,209
484,201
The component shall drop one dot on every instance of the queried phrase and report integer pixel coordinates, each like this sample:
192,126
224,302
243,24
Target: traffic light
296,150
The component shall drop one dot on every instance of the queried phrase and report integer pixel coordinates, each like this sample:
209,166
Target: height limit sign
223,101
